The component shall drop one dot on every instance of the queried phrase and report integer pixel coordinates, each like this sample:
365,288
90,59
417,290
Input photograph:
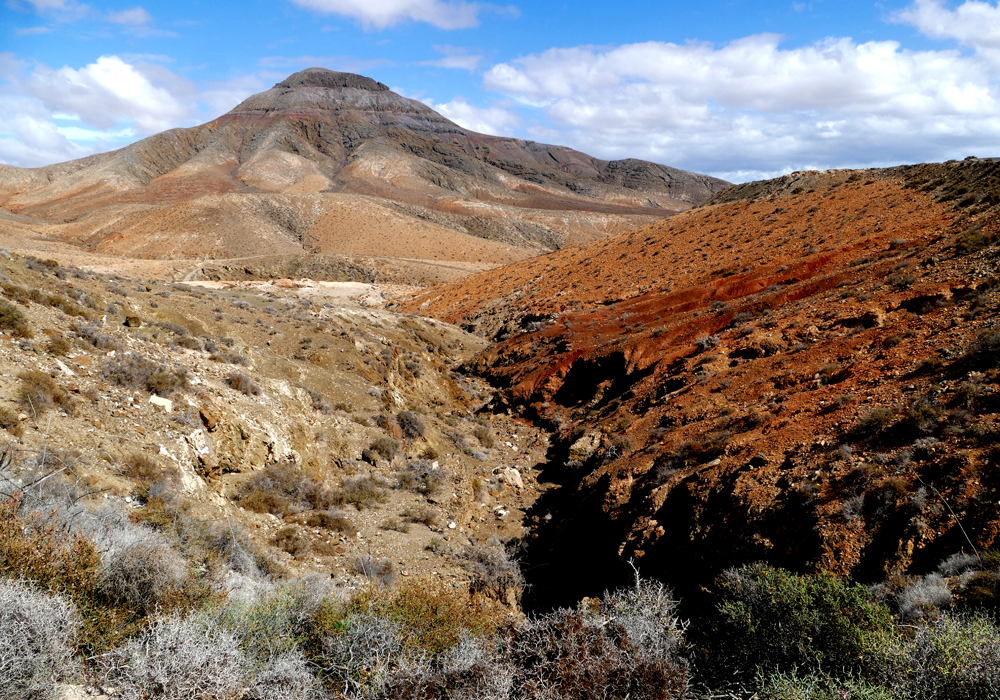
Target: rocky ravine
801,371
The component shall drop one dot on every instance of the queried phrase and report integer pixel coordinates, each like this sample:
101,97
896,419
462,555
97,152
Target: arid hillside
336,164
801,371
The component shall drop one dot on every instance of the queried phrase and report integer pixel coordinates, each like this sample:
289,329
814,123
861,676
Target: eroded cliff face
802,372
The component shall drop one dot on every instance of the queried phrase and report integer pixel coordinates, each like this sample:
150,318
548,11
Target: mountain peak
324,78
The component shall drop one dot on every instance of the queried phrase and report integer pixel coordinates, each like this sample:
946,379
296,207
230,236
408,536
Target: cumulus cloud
495,119
751,106
379,14
973,23
106,103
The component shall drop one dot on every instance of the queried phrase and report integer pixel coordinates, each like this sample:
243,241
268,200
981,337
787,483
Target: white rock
513,477
166,404
452,525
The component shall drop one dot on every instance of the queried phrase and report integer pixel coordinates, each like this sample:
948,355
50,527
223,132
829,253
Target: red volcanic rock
781,374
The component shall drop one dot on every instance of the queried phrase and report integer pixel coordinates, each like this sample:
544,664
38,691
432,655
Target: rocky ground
208,387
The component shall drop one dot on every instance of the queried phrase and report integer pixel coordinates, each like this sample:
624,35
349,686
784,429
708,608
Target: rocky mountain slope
322,430
802,371
337,164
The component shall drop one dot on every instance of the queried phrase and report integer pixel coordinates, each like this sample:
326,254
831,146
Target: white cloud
455,57
134,16
107,91
753,106
108,103
973,23
495,119
379,14
348,64
60,10
32,31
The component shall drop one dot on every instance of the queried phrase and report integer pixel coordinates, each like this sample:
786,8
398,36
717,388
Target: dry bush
381,570
363,491
37,636
411,425
283,488
424,515
178,659
435,616
291,540
10,421
493,570
240,381
356,660
421,477
287,677
385,446
332,519
484,435
39,392
11,319
474,669
58,346
133,371
395,524
141,467
142,572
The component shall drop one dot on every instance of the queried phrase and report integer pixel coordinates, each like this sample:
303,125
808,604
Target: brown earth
326,377
782,374
336,164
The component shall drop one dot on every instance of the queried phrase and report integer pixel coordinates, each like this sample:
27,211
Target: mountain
802,371
336,163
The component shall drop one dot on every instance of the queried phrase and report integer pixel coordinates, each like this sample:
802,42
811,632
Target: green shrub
774,620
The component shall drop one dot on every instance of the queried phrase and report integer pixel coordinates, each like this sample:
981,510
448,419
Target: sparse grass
11,422
484,435
425,515
395,524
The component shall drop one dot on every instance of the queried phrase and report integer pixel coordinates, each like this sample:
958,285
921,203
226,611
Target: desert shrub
706,342
419,476
697,450
577,654
178,659
363,491
395,524
39,392
133,371
37,639
355,658
791,686
424,515
287,677
924,598
484,435
10,421
379,569
232,358
141,573
282,488
774,620
92,334
984,352
291,540
875,421
385,446
411,425
58,346
240,381
973,240
952,658
473,669
332,519
493,571
11,319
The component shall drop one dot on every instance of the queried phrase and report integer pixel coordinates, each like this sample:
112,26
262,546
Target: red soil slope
782,374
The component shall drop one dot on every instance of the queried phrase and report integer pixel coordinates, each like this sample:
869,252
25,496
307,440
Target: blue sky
738,89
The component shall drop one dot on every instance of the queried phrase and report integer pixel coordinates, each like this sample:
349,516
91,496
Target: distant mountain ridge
325,139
